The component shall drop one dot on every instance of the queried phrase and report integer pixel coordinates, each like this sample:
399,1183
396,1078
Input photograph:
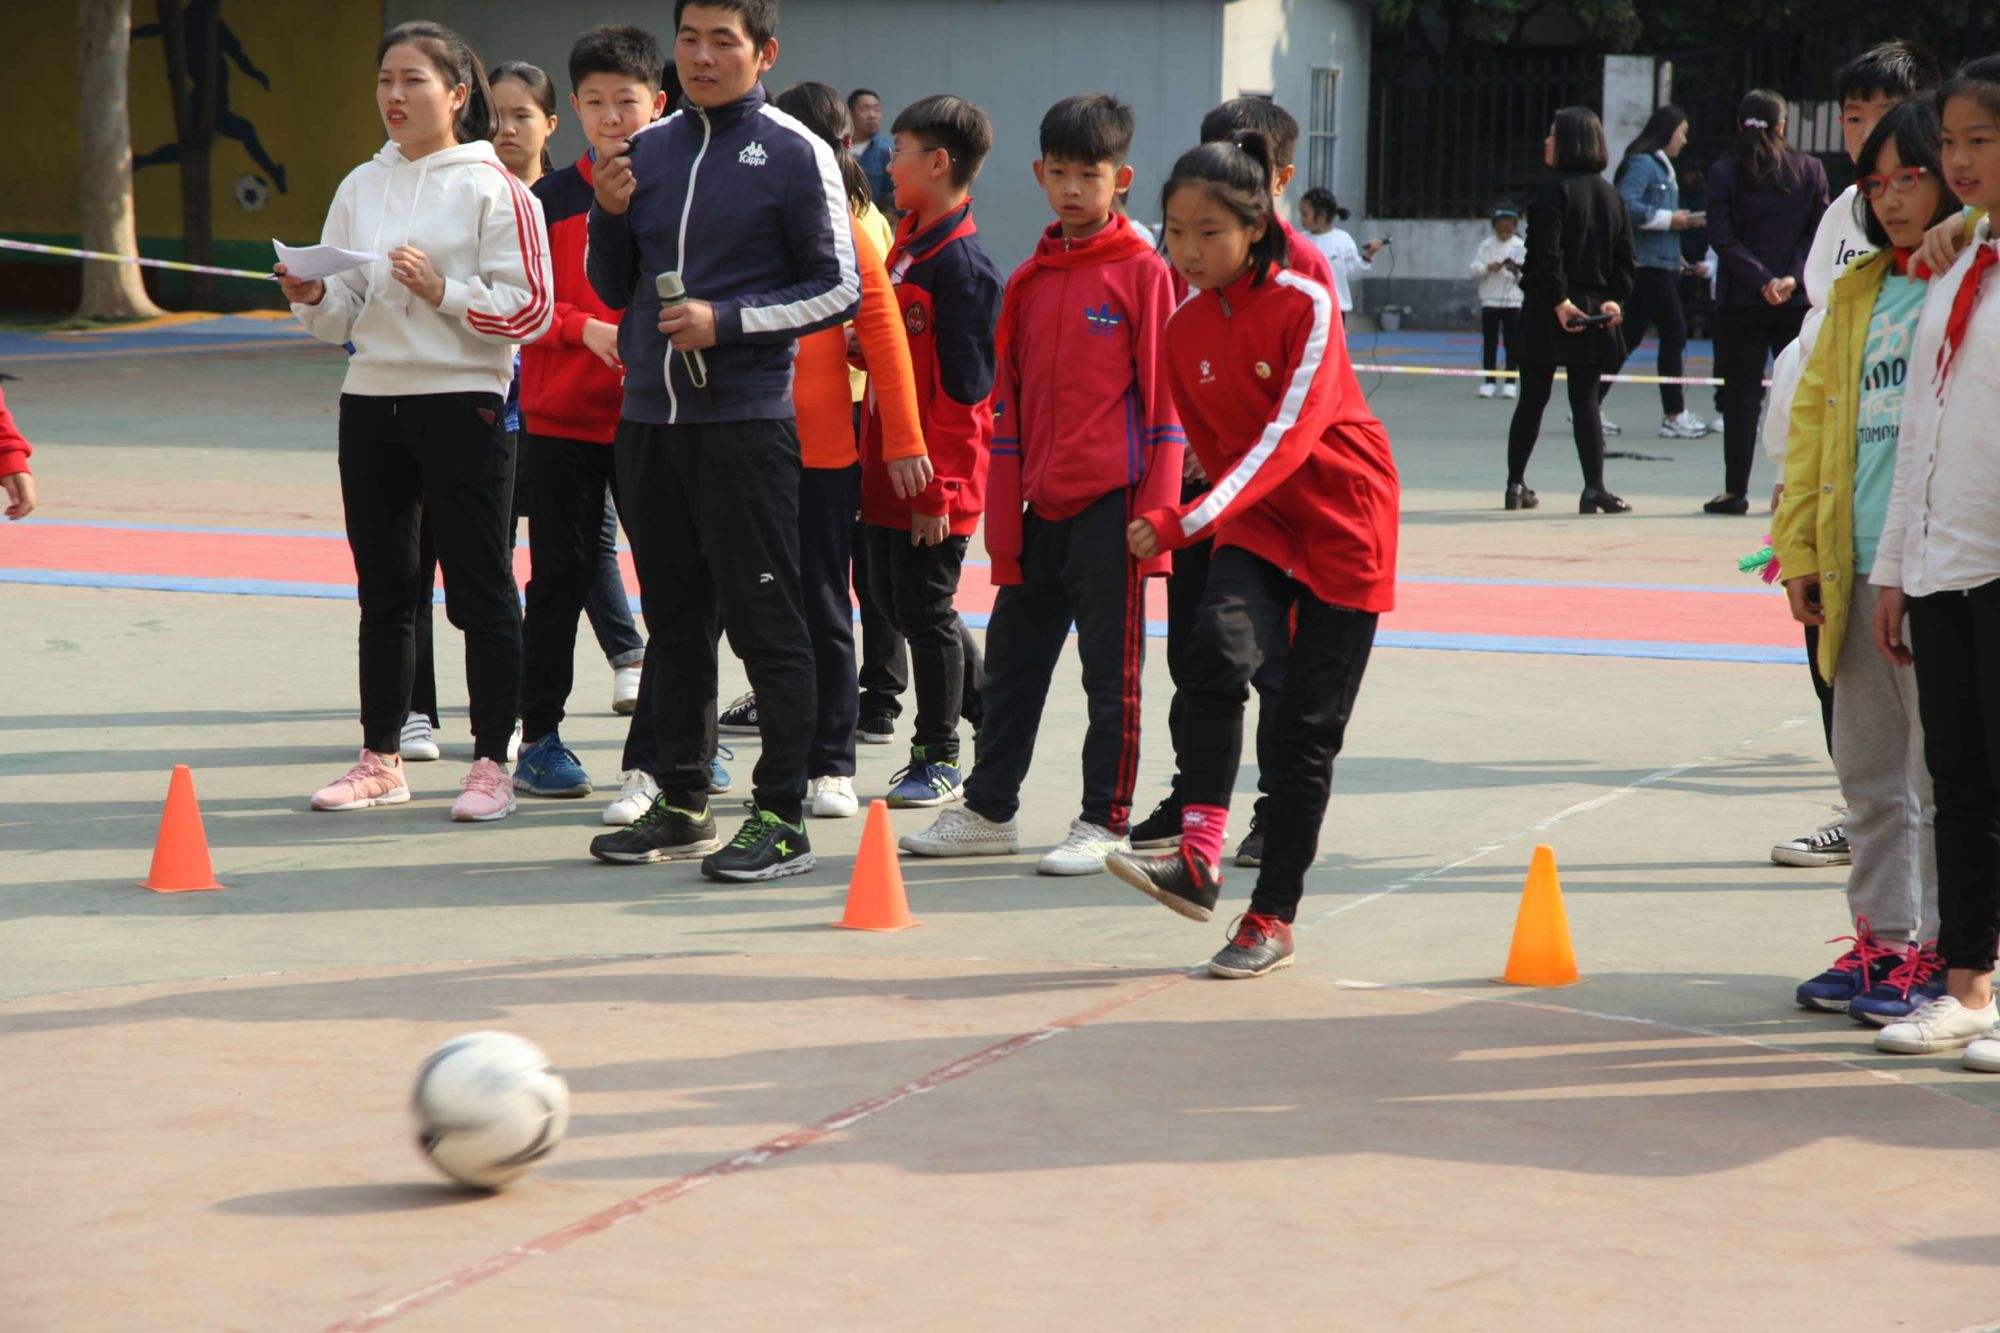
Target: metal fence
1451,139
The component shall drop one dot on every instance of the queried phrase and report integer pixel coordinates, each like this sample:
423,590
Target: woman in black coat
1579,269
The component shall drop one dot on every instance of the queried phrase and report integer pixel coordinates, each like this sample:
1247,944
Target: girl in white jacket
1496,266
463,276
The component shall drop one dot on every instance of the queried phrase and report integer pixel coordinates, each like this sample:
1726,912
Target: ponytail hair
1322,200
457,64
539,86
821,109
1760,145
1237,173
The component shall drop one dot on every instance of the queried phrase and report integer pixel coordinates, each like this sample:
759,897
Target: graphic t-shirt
1885,368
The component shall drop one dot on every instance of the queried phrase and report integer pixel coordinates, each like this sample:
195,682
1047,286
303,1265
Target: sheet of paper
313,262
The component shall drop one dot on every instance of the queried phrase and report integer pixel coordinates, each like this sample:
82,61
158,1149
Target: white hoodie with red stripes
482,231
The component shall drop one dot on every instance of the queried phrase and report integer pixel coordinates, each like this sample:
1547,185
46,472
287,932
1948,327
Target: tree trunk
104,43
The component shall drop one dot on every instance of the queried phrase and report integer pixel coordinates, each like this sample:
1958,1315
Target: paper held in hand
310,263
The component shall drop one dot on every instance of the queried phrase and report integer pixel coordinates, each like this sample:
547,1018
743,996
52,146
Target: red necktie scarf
1961,311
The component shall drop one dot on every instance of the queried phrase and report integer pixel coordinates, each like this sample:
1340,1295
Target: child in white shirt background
1497,266
1318,211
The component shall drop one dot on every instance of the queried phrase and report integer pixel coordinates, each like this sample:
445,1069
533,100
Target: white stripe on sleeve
1218,499
815,309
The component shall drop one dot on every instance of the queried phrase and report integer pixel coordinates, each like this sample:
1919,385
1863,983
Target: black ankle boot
1726,503
1520,497
1597,500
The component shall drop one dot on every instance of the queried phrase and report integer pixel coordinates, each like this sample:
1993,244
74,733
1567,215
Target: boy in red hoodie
572,387
949,293
1303,511
1085,437
16,482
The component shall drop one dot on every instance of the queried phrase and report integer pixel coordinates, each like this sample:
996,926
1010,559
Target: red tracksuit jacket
1303,476
565,390
1301,257
1080,400
14,447
949,293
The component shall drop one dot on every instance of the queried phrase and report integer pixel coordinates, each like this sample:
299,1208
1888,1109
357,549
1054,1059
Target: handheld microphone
673,293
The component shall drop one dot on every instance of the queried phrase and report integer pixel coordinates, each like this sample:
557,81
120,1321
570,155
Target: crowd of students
788,401
785,402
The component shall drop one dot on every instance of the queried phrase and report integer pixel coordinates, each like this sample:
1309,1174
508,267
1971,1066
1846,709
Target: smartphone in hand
1590,322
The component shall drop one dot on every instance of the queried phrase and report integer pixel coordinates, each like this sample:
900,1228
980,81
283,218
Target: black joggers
447,457
1498,325
1956,639
915,586
566,539
1077,568
1656,304
1184,588
1745,337
712,512
1245,612
827,500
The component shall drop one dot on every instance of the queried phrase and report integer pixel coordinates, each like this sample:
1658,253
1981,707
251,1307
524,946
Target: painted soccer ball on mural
252,193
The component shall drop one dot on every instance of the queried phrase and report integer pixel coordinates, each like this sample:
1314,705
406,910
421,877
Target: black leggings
1537,380
1656,303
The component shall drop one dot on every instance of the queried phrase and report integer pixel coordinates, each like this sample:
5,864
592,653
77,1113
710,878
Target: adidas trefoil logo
753,155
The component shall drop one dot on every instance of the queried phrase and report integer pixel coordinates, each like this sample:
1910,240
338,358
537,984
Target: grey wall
1012,57
1272,46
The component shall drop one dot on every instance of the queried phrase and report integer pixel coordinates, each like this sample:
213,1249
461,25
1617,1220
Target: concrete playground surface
1027,1112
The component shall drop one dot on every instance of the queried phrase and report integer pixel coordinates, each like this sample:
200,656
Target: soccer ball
487,1108
252,193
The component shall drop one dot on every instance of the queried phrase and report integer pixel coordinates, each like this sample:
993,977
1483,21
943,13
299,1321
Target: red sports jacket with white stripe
482,232
1303,473
566,391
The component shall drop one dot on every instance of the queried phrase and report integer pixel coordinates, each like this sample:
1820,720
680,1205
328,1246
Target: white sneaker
1983,1055
514,744
1511,389
635,797
1488,388
1686,426
959,832
625,690
1715,424
1083,851
418,743
1942,1025
833,797
1605,424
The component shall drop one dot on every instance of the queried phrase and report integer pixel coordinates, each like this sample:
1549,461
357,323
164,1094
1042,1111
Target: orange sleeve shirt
821,396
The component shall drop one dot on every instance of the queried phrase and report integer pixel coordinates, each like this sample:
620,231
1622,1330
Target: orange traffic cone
875,898
1541,955
180,853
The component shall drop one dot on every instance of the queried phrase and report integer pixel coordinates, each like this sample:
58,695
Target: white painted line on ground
1567,813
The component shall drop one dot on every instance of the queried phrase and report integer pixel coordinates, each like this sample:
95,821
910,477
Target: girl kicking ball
1303,512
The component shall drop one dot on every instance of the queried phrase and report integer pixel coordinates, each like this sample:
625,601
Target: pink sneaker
375,779
488,794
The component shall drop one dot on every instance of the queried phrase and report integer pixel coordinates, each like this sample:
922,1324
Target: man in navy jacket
747,206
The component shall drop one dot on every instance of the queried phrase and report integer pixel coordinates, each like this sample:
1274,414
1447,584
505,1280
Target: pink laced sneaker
375,779
488,793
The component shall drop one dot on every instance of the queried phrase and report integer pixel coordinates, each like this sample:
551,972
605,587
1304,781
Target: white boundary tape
64,251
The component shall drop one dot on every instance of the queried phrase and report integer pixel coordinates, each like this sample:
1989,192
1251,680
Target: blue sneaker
1911,984
718,776
1858,970
550,768
927,781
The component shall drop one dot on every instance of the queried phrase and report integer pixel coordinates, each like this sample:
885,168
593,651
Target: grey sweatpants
1878,752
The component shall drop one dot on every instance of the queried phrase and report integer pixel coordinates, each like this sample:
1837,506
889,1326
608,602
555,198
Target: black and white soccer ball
252,192
488,1107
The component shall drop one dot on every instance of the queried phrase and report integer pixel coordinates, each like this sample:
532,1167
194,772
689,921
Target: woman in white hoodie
463,278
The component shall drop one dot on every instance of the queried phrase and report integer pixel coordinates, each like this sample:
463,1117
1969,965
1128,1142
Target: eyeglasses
1901,180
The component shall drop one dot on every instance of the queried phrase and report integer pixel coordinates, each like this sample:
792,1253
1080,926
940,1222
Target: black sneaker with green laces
663,833
766,847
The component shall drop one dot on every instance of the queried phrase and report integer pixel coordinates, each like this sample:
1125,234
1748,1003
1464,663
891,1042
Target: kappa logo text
753,155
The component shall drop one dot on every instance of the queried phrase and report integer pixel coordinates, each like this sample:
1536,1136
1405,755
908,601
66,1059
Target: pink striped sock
1202,830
